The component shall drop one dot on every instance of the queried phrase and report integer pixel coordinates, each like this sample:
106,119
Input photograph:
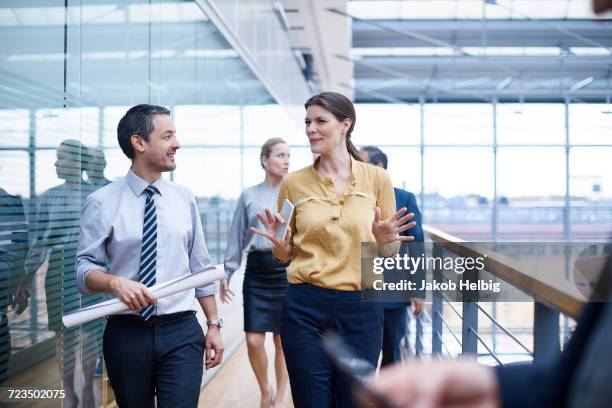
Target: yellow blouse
327,231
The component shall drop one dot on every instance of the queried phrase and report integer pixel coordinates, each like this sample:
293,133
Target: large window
503,171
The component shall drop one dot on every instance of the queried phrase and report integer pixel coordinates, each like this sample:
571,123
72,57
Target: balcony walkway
235,384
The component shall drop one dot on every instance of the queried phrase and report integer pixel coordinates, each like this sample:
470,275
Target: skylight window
472,9
101,14
476,51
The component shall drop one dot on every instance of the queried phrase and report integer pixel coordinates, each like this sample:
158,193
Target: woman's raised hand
280,248
389,230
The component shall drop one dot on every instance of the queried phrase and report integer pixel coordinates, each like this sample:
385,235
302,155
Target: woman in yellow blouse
340,201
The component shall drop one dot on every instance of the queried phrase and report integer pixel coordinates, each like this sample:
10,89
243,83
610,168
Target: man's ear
137,143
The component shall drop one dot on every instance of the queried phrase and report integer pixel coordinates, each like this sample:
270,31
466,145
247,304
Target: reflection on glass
55,230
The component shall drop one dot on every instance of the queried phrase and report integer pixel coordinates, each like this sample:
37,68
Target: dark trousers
307,313
163,358
395,328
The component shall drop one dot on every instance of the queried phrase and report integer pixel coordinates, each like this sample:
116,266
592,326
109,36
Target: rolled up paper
171,287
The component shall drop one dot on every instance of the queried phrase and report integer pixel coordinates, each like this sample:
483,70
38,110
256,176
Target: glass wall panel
262,122
591,193
590,123
55,125
117,163
530,124
110,119
385,124
531,193
200,168
458,124
208,124
74,83
15,127
458,190
14,175
404,167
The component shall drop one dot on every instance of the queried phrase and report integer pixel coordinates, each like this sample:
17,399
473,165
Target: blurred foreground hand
438,383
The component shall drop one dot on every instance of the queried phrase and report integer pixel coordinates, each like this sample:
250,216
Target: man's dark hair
138,120
376,156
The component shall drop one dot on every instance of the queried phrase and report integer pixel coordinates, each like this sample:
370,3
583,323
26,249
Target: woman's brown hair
342,108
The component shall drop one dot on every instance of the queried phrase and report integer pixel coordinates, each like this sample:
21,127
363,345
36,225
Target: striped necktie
148,253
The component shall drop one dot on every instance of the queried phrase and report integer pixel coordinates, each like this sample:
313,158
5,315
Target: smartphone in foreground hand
356,369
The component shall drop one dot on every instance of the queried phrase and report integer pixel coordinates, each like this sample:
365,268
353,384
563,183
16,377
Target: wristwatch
215,322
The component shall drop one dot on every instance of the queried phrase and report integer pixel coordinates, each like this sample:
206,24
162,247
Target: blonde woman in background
265,280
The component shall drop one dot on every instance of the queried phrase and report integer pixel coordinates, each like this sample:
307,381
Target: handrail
542,291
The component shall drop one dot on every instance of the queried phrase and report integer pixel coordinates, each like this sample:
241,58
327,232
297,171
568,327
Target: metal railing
436,328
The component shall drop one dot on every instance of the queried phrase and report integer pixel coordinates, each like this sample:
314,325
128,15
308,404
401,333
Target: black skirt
263,292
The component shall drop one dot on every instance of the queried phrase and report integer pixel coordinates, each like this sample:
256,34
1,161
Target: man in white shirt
137,232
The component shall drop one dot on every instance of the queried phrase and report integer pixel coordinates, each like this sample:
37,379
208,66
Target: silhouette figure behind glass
56,230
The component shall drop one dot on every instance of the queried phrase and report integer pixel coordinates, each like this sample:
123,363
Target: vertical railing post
469,342
418,341
436,305
546,344
406,339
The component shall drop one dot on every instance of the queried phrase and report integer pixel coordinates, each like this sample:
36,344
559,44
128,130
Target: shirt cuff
207,290
85,269
228,273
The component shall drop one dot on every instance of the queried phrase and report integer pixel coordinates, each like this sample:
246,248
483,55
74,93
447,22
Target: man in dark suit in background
396,313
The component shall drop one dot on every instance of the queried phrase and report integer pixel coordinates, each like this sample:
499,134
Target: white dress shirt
111,237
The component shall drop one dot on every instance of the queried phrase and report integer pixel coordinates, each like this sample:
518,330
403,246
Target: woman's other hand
225,294
389,230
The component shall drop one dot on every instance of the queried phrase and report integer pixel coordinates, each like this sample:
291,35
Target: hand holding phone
276,231
286,213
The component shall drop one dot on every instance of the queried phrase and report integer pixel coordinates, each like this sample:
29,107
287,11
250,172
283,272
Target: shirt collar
319,177
138,185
